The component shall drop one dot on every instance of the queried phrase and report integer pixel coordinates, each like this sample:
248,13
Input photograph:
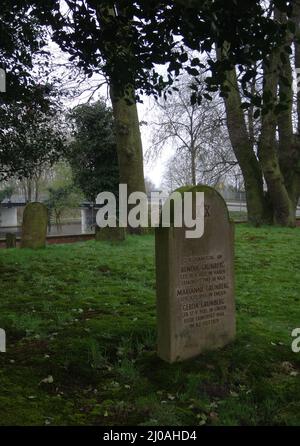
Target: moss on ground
80,324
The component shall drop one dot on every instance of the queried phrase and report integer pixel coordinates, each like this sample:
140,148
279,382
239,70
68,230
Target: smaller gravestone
195,284
34,226
88,219
11,241
110,234
2,341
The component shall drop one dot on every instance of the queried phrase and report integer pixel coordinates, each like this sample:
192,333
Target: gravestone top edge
208,191
35,204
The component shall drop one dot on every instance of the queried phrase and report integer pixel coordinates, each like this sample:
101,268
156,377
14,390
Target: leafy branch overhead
129,45
30,136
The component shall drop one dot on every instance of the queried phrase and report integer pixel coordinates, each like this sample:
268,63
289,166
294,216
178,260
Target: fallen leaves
48,380
288,368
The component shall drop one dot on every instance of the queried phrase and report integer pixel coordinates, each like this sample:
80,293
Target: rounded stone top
36,205
209,194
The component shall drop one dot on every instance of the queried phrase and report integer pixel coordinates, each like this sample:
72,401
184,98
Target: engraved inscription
201,292
206,210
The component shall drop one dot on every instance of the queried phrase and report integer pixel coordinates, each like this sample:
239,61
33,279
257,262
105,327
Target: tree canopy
22,39
30,136
92,152
128,39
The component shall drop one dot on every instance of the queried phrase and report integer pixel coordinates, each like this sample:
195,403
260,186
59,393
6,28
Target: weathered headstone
34,226
110,234
2,341
11,241
88,219
195,284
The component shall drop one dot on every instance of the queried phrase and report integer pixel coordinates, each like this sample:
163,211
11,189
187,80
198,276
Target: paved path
65,229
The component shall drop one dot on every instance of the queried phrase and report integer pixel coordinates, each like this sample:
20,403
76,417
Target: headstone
110,234
34,226
195,284
88,220
2,341
11,241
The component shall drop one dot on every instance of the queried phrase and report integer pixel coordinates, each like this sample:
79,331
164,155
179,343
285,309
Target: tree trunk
128,136
279,163
129,142
296,139
269,160
243,149
288,142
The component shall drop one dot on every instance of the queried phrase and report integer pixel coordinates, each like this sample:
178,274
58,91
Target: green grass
238,215
84,314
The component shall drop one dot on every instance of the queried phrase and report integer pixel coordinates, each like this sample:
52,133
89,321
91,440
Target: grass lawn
238,215
80,324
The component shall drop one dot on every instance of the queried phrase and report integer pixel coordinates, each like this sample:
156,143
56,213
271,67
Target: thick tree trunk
269,160
280,166
243,149
296,20
129,142
288,142
296,140
279,163
128,137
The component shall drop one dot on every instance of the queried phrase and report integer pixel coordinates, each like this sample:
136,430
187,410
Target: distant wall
8,216
229,195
